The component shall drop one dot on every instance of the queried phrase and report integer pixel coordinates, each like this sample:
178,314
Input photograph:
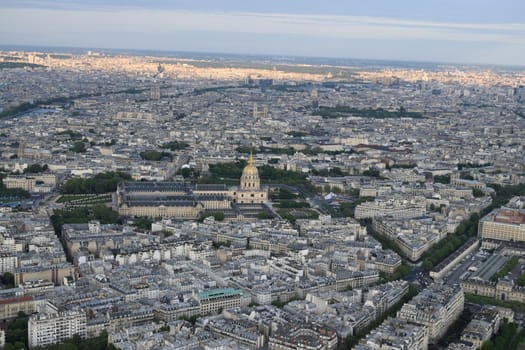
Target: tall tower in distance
155,92
314,98
21,149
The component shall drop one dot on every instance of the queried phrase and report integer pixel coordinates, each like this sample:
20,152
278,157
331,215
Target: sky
455,31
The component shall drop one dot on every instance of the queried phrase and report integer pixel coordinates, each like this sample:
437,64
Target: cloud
349,27
105,26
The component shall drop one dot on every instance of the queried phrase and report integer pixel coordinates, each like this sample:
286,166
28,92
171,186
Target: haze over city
270,175
469,31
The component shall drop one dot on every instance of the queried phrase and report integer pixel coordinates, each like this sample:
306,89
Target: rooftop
509,217
219,292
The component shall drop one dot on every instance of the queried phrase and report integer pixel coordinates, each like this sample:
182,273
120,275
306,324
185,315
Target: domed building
185,201
250,190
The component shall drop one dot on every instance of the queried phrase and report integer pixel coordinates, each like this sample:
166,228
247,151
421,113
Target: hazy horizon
466,32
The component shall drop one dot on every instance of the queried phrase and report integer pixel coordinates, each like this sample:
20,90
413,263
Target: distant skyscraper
155,92
21,149
314,99
520,94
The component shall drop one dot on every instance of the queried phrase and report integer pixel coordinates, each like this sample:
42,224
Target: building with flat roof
10,307
53,328
394,208
395,334
303,337
503,224
436,308
215,300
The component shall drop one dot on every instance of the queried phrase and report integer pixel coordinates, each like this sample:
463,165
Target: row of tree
13,193
509,266
375,113
36,168
516,306
83,215
310,151
507,338
469,228
16,338
154,155
175,145
352,340
100,183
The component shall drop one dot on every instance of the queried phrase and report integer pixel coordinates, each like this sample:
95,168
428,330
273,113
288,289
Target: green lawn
84,199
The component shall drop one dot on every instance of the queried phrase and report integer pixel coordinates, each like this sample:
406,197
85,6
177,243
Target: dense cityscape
227,202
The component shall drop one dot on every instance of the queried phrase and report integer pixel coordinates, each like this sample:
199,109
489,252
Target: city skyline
190,200
449,33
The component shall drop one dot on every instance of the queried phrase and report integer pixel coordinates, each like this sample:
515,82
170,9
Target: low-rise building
504,289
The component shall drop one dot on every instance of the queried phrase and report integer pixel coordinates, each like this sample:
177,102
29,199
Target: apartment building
215,300
436,308
503,224
52,328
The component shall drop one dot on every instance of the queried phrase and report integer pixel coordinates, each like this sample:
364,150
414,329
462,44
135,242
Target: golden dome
250,169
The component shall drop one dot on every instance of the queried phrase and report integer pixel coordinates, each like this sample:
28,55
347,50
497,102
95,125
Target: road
315,201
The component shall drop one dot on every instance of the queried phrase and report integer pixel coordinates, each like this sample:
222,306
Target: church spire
250,158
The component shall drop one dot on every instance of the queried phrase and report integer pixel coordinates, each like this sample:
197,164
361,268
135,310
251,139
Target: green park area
375,113
84,199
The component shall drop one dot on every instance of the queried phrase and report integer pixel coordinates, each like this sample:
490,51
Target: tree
477,192
35,168
188,173
278,303
78,147
444,179
104,214
283,193
100,183
83,215
218,216
175,145
142,222
262,215
8,280
154,155
427,264
372,173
